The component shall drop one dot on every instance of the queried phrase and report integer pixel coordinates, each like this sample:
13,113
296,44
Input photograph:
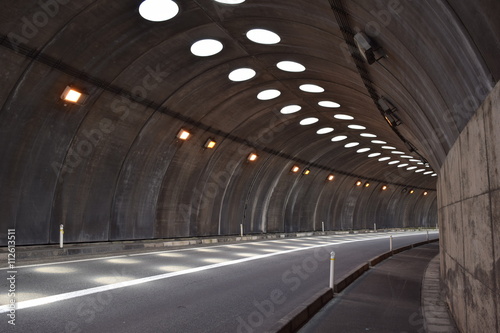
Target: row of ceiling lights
252,157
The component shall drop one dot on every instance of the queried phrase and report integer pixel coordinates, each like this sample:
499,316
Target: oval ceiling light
356,127
397,152
329,104
379,142
411,168
343,117
362,150
262,36
374,155
403,165
393,162
290,66
434,175
158,10
325,130
419,170
406,156
351,144
242,74
289,109
339,138
206,47
230,2
309,121
311,88
428,172
388,147
384,159
368,135
268,94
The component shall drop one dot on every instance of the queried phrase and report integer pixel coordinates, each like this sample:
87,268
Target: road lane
243,287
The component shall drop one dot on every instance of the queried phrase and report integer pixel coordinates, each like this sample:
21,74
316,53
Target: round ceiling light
311,88
231,2
290,66
268,94
206,47
339,138
368,135
241,74
374,155
289,109
351,144
158,10
356,127
309,121
262,36
343,117
329,104
325,130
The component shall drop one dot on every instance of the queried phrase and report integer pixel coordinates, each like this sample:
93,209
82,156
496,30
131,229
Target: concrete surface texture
114,169
469,218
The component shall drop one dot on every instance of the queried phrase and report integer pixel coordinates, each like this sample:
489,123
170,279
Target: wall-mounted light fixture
367,48
426,193
295,169
412,191
210,144
389,112
359,183
306,171
252,157
74,96
183,135
367,184
384,188
330,177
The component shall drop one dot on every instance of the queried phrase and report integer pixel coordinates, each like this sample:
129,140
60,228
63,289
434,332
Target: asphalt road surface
243,288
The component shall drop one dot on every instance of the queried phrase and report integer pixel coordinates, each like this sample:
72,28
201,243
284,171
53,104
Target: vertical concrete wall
469,217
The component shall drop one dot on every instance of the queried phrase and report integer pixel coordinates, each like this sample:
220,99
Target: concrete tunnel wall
469,219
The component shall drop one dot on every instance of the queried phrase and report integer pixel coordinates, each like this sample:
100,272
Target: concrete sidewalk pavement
391,297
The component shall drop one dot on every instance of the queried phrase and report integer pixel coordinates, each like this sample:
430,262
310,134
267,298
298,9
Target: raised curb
437,317
53,250
292,322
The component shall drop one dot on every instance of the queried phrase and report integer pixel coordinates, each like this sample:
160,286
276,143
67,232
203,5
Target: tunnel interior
296,113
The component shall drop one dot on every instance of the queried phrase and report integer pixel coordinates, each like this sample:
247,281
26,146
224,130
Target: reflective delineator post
241,230
61,235
375,227
323,226
390,243
332,270
427,236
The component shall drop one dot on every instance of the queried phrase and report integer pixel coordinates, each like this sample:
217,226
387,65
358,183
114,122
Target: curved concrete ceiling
113,168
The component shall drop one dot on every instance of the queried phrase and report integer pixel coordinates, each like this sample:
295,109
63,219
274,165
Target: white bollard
375,227
241,230
323,226
390,243
61,235
332,270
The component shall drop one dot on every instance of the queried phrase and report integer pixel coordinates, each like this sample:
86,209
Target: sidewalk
389,298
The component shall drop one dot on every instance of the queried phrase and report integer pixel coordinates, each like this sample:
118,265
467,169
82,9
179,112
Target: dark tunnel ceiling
107,49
